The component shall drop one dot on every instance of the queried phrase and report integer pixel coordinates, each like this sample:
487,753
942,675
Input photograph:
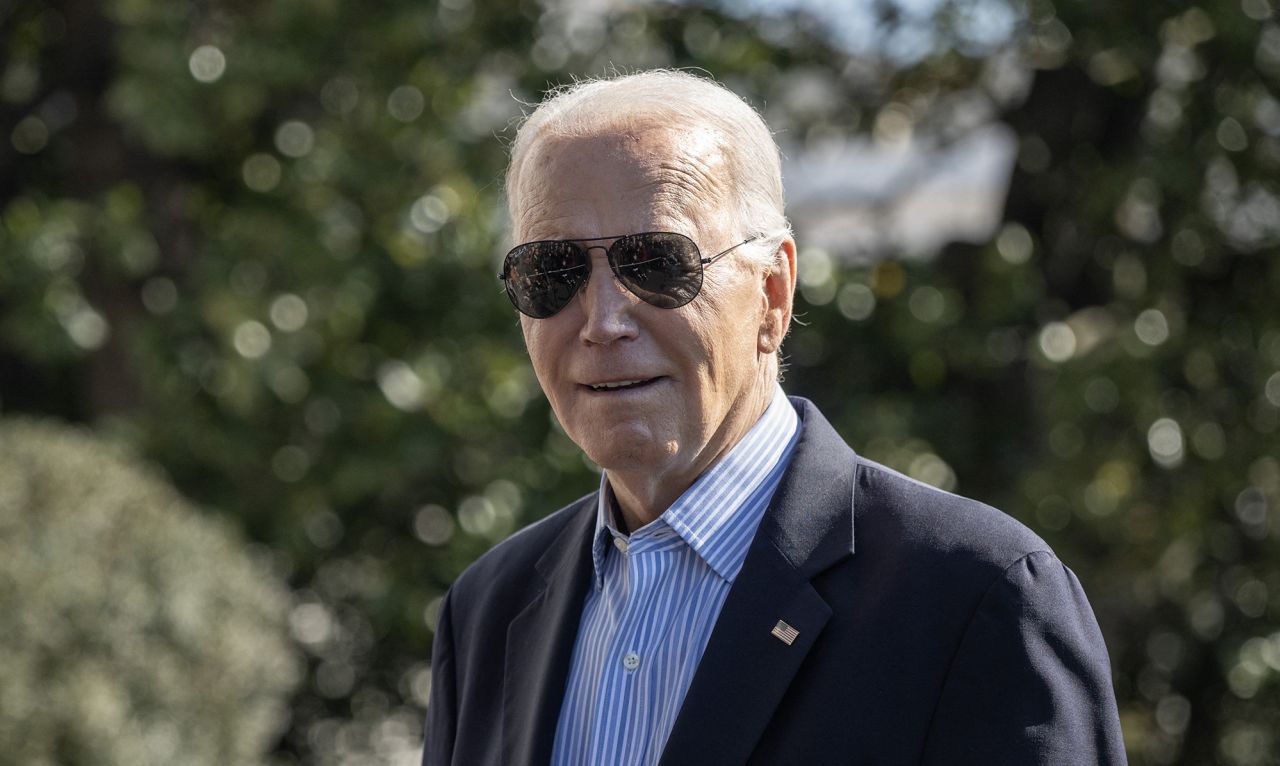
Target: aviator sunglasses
661,268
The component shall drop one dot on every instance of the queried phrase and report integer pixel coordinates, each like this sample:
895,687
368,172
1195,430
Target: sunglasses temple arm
723,253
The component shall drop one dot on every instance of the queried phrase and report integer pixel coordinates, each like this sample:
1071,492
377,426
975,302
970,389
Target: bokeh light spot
295,139
1014,243
893,126
1057,341
549,53
1053,513
927,304
19,80
816,268
251,339
401,385
159,295
433,525
1173,713
932,470
1231,135
405,103
887,279
476,515
323,527
1200,369
817,277
1251,599
248,278
428,214
290,463
1151,327
311,623
431,613
340,96
1129,276
1272,389
289,383
1244,744
420,684
30,135
335,679
1003,345
1165,442
1258,10
261,172
1209,441
207,64
87,328
856,302
1251,507
1206,616
511,392
289,312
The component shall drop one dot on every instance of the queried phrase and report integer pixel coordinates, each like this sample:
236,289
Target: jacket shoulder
918,522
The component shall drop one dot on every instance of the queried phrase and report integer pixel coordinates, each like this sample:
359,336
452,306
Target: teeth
612,386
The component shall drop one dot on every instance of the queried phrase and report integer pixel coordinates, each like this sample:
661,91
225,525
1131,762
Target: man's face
697,376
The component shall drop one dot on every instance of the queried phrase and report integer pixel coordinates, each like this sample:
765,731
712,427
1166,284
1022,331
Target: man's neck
642,497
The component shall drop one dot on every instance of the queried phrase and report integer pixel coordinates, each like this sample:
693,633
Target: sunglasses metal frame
608,250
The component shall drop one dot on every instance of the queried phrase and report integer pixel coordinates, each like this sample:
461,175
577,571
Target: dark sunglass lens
542,277
662,269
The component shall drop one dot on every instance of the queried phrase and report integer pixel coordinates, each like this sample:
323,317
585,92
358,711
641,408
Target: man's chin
628,449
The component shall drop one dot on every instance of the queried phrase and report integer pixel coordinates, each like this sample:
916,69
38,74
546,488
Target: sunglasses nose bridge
606,304
594,262
600,264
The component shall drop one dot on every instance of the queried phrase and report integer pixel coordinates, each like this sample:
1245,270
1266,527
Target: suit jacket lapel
540,642
745,669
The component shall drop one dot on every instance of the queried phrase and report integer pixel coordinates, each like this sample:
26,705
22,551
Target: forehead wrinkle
683,188
682,177
690,176
692,179
670,204
534,214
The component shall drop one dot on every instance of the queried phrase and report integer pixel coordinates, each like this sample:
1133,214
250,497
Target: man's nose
607,305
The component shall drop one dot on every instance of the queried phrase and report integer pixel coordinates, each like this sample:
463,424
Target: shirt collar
718,515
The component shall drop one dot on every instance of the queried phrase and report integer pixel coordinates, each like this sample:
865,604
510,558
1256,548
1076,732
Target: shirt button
631,661
620,543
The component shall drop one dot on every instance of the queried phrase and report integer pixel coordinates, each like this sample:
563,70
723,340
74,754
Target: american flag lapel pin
785,633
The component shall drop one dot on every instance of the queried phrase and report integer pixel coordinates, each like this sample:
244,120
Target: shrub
133,629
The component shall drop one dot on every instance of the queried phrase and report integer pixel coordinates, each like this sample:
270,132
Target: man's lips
626,384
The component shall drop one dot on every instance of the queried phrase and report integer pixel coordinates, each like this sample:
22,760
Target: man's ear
777,296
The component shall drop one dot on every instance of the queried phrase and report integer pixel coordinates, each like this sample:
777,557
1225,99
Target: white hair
589,107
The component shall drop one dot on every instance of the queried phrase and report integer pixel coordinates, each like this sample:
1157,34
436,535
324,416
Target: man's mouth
620,385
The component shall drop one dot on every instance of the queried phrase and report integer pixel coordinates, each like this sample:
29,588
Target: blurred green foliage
135,631
257,242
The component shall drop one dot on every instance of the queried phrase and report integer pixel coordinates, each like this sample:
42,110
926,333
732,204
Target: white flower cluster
133,629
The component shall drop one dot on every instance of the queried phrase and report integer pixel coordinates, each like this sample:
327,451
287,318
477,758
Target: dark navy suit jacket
932,630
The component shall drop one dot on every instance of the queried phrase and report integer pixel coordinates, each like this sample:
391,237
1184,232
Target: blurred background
262,398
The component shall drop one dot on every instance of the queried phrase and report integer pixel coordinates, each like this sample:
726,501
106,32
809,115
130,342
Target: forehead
623,180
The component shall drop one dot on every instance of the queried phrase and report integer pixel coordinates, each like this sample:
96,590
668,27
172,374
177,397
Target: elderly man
742,588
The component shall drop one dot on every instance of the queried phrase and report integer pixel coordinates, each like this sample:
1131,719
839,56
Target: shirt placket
624,708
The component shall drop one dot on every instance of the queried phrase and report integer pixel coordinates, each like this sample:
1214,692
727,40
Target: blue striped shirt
656,597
